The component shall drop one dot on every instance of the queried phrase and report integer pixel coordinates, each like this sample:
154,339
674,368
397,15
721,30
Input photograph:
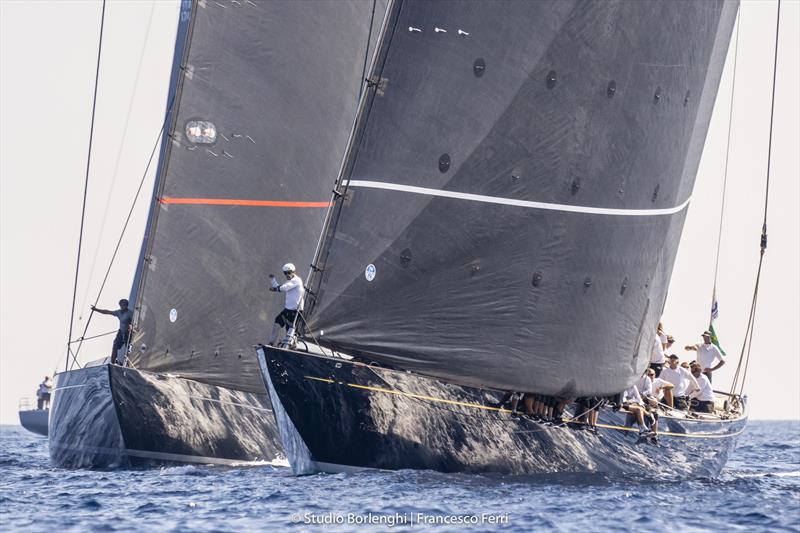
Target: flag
715,340
714,315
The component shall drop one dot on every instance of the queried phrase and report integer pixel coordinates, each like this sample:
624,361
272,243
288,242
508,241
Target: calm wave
759,490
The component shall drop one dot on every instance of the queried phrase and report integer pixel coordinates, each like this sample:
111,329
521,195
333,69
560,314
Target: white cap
288,267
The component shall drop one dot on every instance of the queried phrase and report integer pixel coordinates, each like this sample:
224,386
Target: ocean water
758,491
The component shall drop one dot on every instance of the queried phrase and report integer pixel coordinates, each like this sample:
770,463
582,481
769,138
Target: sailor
294,290
670,342
657,358
653,389
703,398
43,393
683,383
633,403
707,355
662,336
125,317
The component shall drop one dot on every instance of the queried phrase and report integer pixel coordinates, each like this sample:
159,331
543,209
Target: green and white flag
714,315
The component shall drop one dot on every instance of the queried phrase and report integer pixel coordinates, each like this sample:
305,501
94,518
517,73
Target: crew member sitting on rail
125,317
683,383
293,304
656,388
707,355
703,398
588,409
633,403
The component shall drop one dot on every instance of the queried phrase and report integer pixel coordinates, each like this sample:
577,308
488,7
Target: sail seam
518,203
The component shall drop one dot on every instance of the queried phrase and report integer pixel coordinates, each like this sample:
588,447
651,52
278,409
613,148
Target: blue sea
758,491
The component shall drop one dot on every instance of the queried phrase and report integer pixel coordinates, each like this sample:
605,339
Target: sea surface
759,490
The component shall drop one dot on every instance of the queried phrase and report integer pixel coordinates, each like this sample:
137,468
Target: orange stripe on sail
238,202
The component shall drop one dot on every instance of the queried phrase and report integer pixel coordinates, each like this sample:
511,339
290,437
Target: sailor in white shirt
683,383
43,393
707,355
633,403
294,290
703,398
657,356
654,388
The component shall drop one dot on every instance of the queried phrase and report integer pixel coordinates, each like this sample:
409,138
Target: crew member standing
43,393
294,290
707,355
657,356
125,317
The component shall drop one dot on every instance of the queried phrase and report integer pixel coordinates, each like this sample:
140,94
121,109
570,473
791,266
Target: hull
109,416
34,420
337,415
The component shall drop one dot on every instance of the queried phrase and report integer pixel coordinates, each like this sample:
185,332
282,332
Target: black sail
264,109
518,188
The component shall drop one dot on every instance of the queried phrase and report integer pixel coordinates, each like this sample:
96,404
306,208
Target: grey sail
515,194
267,100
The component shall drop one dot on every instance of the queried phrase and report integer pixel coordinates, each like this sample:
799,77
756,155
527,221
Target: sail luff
365,99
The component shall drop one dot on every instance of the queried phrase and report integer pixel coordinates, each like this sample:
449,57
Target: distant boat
34,420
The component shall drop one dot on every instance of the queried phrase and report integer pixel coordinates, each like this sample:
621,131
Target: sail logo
370,272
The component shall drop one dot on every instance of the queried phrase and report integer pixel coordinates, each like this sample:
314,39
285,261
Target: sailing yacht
261,103
507,221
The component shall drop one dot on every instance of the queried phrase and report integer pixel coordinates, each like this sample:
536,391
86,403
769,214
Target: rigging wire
128,219
81,339
115,172
366,52
748,338
727,159
86,183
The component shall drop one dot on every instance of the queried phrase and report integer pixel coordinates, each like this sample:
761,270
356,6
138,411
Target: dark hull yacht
109,416
351,416
261,103
507,220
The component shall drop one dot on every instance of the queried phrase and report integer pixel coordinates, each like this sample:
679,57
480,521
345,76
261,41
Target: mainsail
266,98
513,204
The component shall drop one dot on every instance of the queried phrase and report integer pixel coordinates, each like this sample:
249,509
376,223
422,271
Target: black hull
34,420
110,416
336,415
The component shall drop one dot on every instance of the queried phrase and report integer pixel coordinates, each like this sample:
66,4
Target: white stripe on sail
517,203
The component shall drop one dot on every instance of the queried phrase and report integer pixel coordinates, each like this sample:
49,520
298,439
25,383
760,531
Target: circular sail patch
369,273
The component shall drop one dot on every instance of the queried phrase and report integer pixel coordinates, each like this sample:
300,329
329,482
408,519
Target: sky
48,54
